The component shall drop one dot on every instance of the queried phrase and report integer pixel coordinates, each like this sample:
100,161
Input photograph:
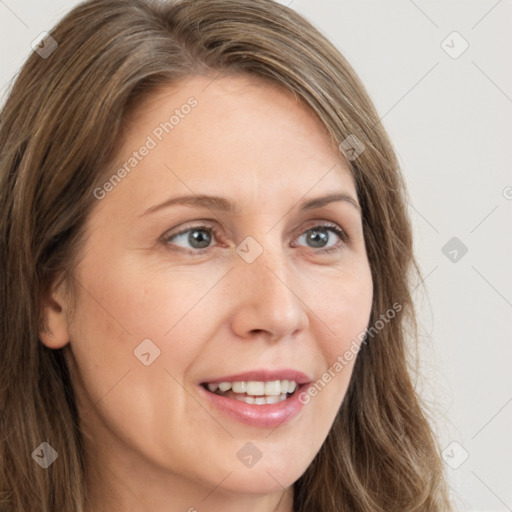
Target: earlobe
54,333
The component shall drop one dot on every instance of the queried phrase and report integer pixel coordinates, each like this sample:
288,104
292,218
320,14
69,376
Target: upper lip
263,375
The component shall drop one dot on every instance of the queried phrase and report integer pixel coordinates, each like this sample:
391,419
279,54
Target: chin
261,480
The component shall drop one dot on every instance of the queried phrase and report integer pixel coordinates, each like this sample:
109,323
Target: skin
152,443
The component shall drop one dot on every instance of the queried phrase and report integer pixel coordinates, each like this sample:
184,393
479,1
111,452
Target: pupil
199,237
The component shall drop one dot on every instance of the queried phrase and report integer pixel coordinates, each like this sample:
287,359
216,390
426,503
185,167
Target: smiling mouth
254,392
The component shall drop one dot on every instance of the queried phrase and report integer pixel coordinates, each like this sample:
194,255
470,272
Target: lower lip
265,416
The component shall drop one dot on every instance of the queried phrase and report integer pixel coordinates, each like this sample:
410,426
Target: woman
206,259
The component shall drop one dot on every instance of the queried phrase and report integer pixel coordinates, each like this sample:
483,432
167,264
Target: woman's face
240,286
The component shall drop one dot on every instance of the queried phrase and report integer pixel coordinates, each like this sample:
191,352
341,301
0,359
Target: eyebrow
223,204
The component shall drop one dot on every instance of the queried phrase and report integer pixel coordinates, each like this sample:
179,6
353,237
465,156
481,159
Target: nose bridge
266,261
266,281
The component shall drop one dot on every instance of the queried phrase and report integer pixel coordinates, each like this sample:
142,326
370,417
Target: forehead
236,110
231,135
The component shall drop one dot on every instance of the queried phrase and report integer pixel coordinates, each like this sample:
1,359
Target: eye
198,238
320,236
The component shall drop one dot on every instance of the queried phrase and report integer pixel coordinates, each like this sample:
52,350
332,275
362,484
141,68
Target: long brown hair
59,129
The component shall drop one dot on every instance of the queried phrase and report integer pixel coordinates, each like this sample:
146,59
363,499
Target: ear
54,333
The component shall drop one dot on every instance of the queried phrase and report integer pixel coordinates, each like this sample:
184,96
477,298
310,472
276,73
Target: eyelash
205,227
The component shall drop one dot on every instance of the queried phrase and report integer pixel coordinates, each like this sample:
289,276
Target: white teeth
273,388
225,386
255,388
239,387
275,399
261,400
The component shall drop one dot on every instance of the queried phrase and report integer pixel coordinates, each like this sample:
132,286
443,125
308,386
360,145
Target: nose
268,298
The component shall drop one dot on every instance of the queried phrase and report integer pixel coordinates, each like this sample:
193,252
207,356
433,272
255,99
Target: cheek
123,306
117,310
343,303
342,307
136,333
117,315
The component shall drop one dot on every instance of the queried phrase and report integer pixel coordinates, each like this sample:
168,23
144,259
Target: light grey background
450,121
